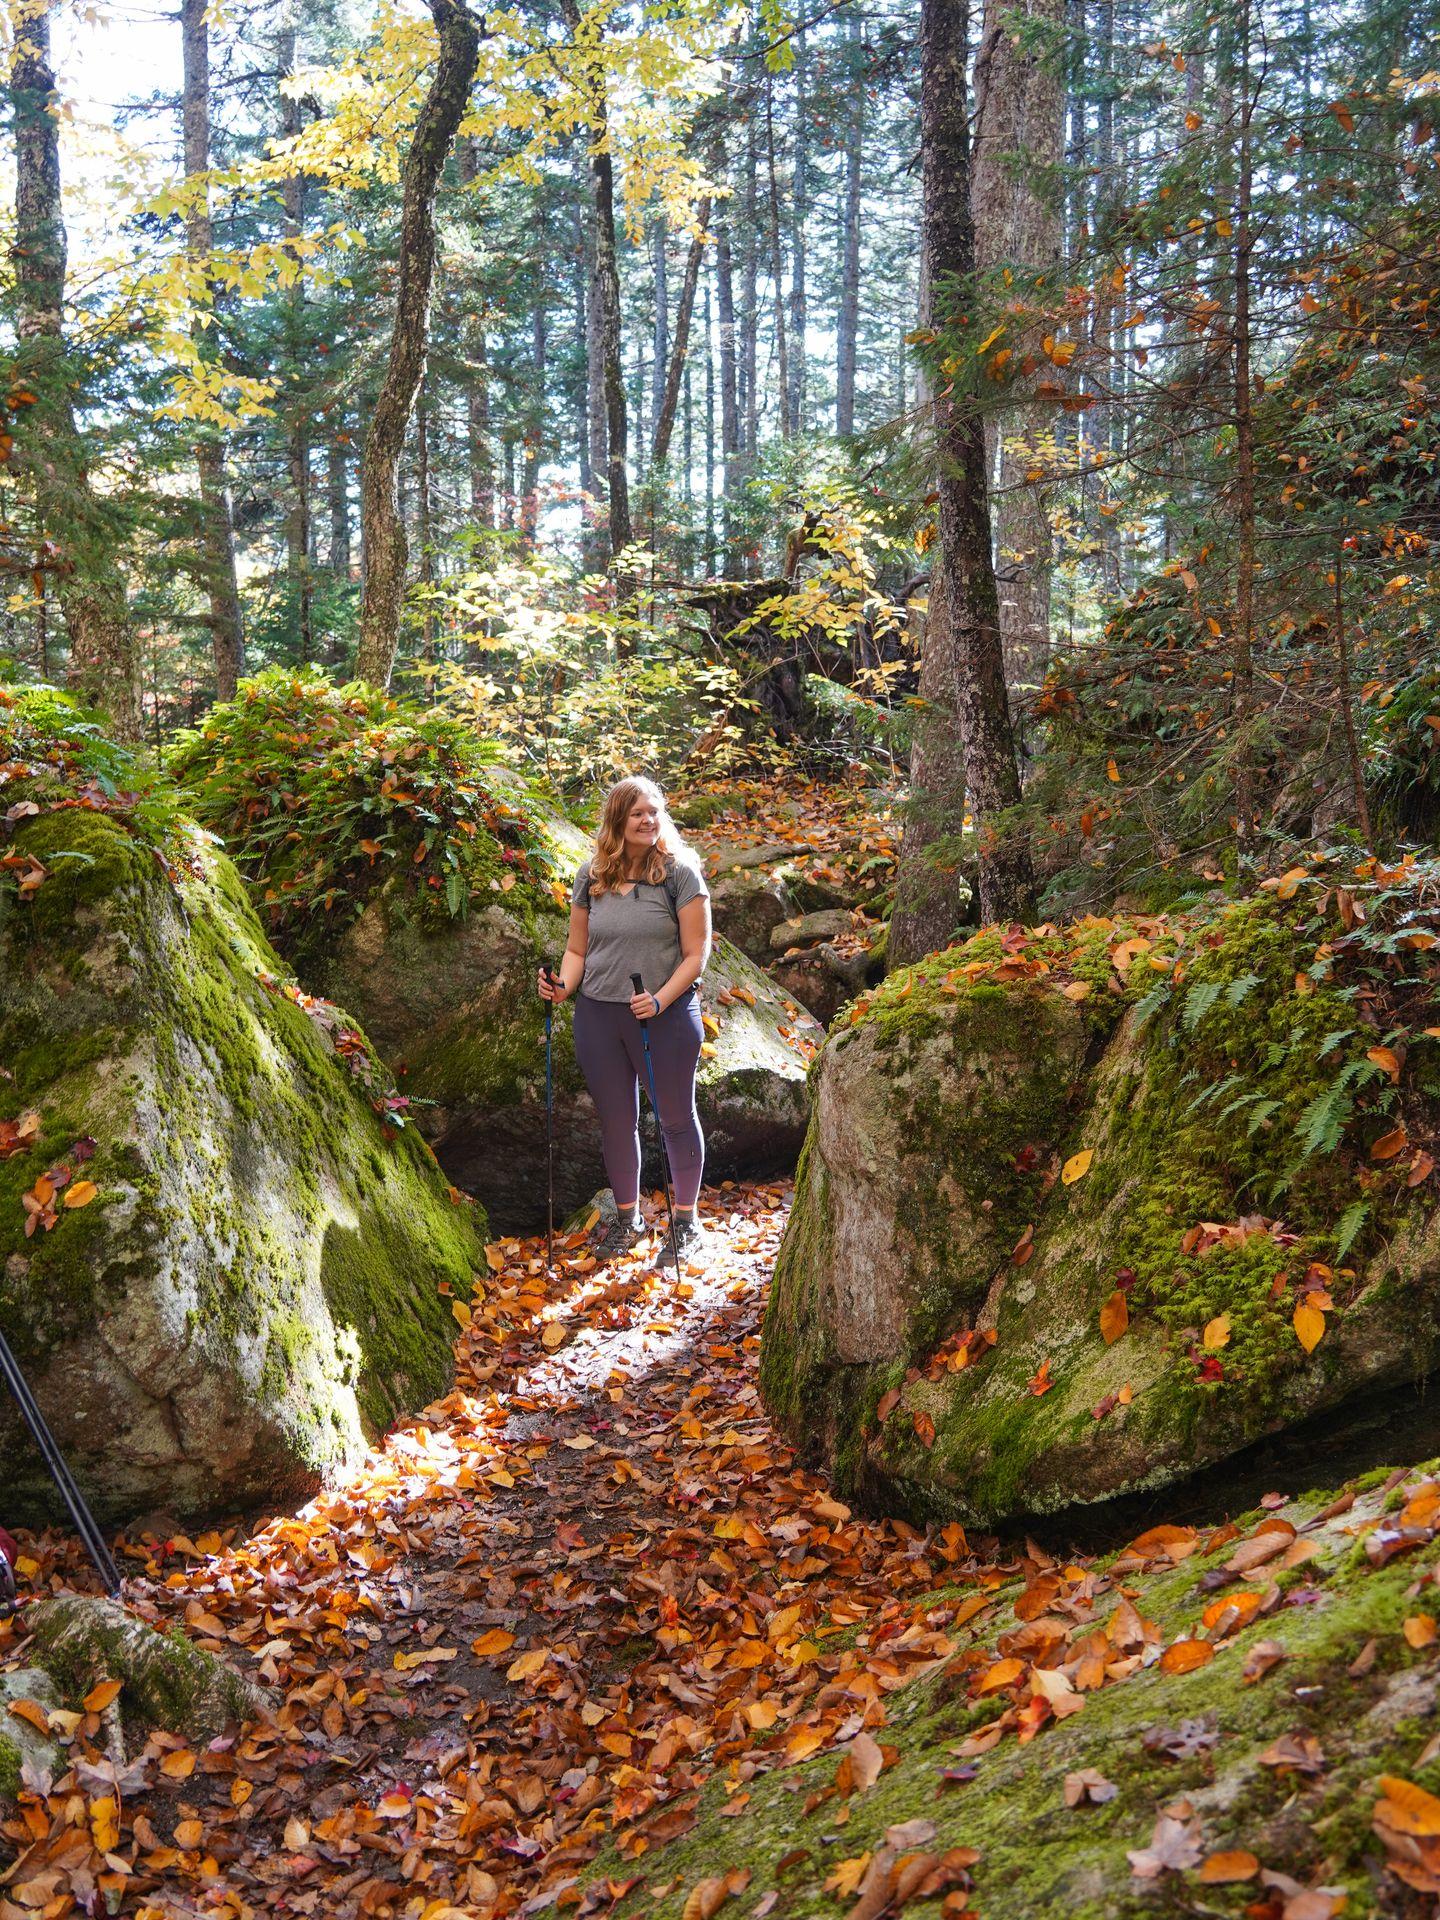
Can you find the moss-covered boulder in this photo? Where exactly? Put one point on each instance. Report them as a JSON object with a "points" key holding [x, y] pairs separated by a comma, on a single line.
{"points": [[1080, 1212], [165, 1680], [224, 1256], [411, 876]]}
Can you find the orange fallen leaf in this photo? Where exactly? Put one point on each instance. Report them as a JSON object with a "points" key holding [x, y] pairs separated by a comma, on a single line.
{"points": [[1407, 1808], [1184, 1656], [1419, 1630], [99, 1697], [1114, 1318], [80, 1193], [1004, 1673], [1226, 1869]]}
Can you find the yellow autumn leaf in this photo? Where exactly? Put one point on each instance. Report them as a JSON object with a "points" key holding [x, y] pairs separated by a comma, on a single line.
{"points": [[81, 1193], [461, 1312], [496, 1640], [105, 1822], [1216, 1334], [554, 1335], [1309, 1326], [528, 1665], [1077, 1166], [1288, 884], [99, 1697]]}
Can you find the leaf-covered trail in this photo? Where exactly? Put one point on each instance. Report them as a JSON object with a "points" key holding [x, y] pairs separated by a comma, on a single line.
{"points": [[540, 1613], [539, 1618]]}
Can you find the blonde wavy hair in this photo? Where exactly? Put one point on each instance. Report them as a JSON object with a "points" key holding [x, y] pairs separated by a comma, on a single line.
{"points": [[607, 863]]}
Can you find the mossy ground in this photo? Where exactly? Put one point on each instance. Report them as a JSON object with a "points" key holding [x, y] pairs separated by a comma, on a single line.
{"points": [[1039, 1857]]}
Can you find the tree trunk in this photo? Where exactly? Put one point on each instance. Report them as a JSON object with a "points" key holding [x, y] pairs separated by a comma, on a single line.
{"points": [[297, 451], [777, 264], [217, 526], [660, 349], [50, 452], [749, 296], [847, 323], [534, 433], [480, 453], [338, 487], [608, 337], [380, 466], [580, 265], [729, 383], [1019, 142], [424, 522], [595, 545], [963, 662], [709, 561], [798, 317], [1243, 689], [670, 394]]}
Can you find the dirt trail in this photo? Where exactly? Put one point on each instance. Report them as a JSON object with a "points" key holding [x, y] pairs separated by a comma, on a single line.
{"points": [[536, 1618]]}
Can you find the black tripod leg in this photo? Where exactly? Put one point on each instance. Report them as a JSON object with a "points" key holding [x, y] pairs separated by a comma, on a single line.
{"points": [[85, 1525]]}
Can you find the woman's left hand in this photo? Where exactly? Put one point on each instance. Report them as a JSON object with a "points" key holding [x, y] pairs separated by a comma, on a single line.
{"points": [[644, 1006]]}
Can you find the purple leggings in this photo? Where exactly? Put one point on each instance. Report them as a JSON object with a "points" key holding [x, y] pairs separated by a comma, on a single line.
{"points": [[609, 1048]]}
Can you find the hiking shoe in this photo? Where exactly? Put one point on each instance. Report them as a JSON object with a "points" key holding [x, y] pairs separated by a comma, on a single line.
{"points": [[692, 1242], [618, 1238]]}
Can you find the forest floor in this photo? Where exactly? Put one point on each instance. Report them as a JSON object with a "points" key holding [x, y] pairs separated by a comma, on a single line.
{"points": [[584, 1636]]}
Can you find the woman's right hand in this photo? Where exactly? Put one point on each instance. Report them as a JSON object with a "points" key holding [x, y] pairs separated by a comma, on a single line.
{"points": [[551, 986]]}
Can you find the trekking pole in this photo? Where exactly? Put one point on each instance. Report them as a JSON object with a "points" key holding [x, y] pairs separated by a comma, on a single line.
{"points": [[94, 1541], [639, 987], [549, 1124]]}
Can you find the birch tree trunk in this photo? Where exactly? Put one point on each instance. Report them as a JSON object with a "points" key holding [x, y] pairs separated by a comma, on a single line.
{"points": [[217, 526], [50, 452], [384, 529], [1015, 194]]}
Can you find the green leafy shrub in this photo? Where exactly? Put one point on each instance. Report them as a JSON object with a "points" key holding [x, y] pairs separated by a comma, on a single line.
{"points": [[323, 793]]}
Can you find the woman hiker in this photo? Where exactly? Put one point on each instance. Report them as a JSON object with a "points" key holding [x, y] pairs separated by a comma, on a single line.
{"points": [[639, 905]]}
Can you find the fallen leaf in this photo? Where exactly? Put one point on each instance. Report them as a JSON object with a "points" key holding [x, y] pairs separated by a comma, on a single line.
{"points": [[1089, 1785], [1309, 1324], [1077, 1166], [1217, 1333], [1226, 1869], [1184, 1656], [1114, 1318]]}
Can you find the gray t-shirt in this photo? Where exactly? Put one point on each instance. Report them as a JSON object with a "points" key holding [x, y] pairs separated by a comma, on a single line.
{"points": [[634, 932]]}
